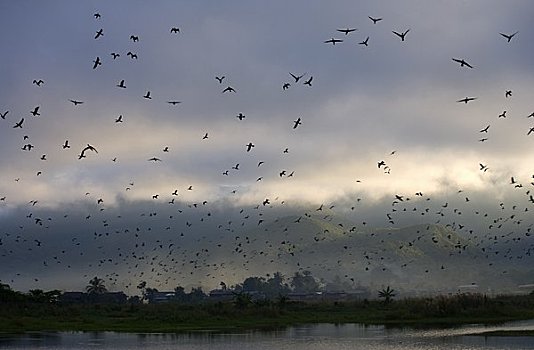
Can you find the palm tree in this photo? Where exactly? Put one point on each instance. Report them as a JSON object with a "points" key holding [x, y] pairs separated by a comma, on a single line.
{"points": [[96, 286], [387, 294]]}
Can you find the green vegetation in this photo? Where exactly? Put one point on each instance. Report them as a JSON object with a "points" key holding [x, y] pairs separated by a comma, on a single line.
{"points": [[22, 312]]}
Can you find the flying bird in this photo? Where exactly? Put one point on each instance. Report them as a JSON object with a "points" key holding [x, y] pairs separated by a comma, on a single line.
{"points": [[240, 116], [154, 159], [297, 123], [35, 112], [375, 20], [530, 131], [508, 93], [229, 89], [347, 30], [147, 95], [485, 129], [19, 124], [286, 86], [365, 42], [97, 15], [75, 102], [483, 167], [3, 115], [134, 38], [119, 119], [467, 99], [99, 33], [401, 35], [115, 55], [174, 103], [205, 137], [250, 146], [462, 62], [175, 30], [66, 144], [309, 81], [38, 82], [220, 79], [121, 84], [508, 36], [333, 41], [297, 77], [97, 62], [131, 54]]}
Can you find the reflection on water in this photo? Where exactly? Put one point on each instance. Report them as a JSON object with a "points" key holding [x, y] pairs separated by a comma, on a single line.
{"points": [[312, 337]]}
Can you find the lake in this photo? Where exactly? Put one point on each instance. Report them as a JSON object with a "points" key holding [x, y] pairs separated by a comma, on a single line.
{"points": [[309, 337]]}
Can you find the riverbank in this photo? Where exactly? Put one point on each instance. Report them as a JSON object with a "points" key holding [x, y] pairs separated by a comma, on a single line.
{"points": [[173, 317]]}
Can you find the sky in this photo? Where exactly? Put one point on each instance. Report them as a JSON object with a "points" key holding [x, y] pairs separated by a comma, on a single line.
{"points": [[389, 101]]}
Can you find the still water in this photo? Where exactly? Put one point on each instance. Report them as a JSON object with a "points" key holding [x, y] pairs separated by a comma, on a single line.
{"points": [[309, 337]]}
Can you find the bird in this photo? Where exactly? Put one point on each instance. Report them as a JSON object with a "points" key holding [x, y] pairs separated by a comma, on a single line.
{"points": [[530, 131], [205, 137], [483, 167], [229, 89], [240, 116], [333, 41], [166, 149], [154, 159], [174, 103], [134, 38], [97, 62], [147, 95], [99, 33], [485, 129], [462, 62], [309, 81], [508, 93], [508, 36], [286, 86], [347, 30], [119, 119], [66, 144], [502, 115], [3, 115], [297, 123], [175, 30], [115, 55], [250, 146], [401, 35], [297, 77], [381, 163], [75, 102], [38, 82], [97, 15], [528, 116], [375, 20], [131, 54], [35, 112], [19, 124], [365, 42], [220, 79], [467, 99], [121, 84]]}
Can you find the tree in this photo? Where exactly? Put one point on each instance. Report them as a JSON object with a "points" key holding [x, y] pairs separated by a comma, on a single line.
{"points": [[387, 294], [96, 286], [304, 283]]}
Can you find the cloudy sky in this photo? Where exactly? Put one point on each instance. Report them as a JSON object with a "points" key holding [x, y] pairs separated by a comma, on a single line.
{"points": [[389, 101]]}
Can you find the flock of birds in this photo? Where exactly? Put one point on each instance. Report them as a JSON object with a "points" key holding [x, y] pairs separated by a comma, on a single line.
{"points": [[178, 239]]}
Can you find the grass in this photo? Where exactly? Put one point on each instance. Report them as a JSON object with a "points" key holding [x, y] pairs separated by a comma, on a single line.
{"points": [[174, 317]]}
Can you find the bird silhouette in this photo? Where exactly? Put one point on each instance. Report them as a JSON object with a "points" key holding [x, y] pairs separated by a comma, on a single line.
{"points": [[250, 146], [66, 144], [286, 86], [346, 31], [3, 115], [508, 36], [97, 15], [240, 116], [297, 123], [35, 112], [220, 79], [97, 62], [365, 42], [467, 99], [134, 38], [154, 159], [115, 55], [121, 84], [530, 131], [118, 119], [174, 103], [175, 30], [99, 33], [309, 81], [19, 124], [508, 93], [297, 77], [401, 35], [375, 20], [38, 82], [75, 102], [147, 95], [229, 89], [485, 129], [333, 41], [462, 62], [132, 55]]}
